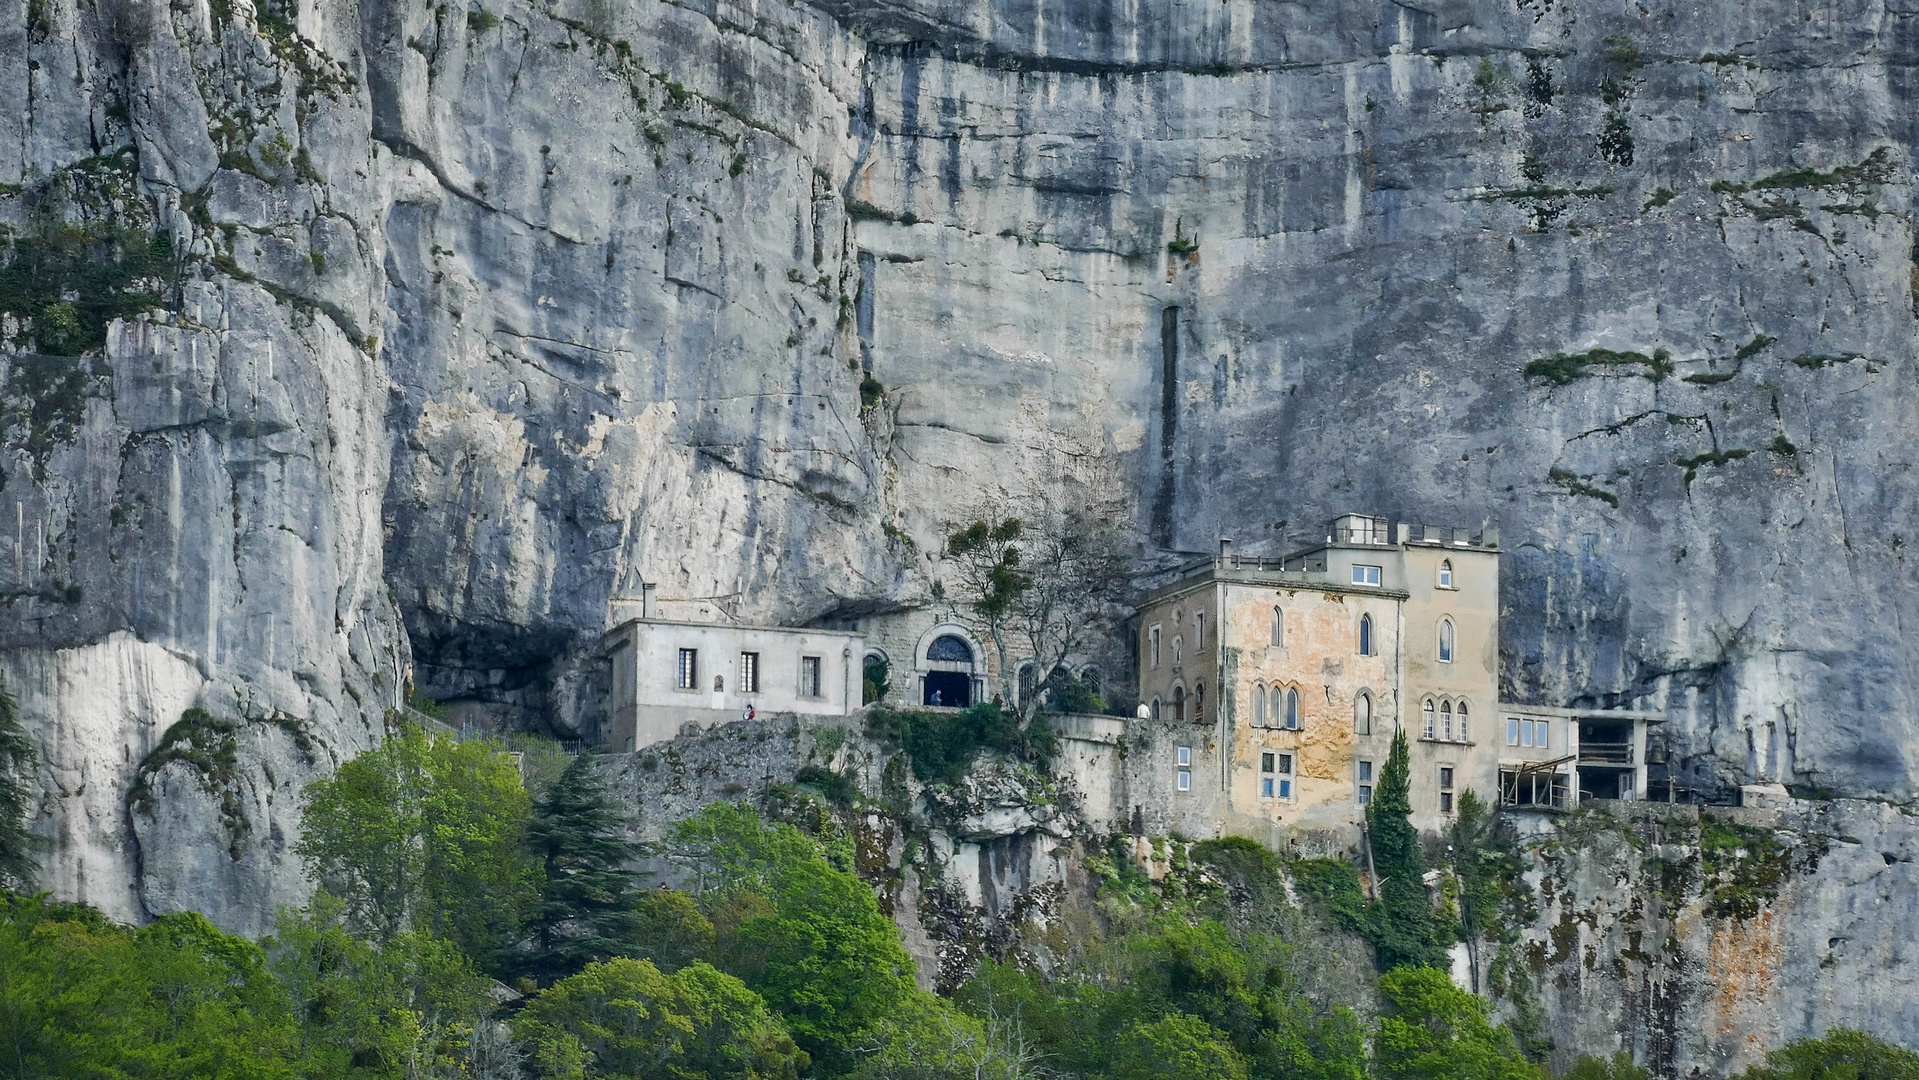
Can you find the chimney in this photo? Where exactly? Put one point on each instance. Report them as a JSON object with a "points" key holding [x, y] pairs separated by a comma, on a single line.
{"points": [[1489, 535], [1226, 552], [646, 599]]}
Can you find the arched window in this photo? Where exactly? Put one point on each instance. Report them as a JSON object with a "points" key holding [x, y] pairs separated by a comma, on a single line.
{"points": [[1365, 635], [1461, 710], [1259, 705], [1089, 678], [1446, 720], [1179, 703], [1155, 708], [1363, 714], [1445, 573], [1279, 627], [1446, 641], [1199, 702], [1028, 683], [1179, 649], [1292, 709], [950, 647], [1426, 719]]}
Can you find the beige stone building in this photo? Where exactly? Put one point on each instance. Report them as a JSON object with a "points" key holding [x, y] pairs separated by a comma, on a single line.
{"points": [[1273, 688], [1280, 682]]}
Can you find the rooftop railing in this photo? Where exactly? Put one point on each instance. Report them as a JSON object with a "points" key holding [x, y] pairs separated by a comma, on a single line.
{"points": [[1606, 753]]}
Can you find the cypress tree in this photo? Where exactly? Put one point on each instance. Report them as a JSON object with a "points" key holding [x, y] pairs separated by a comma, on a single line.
{"points": [[585, 913], [17, 846], [1404, 930]]}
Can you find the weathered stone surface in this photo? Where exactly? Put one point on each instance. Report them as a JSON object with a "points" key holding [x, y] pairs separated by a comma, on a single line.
{"points": [[1700, 958], [481, 325]]}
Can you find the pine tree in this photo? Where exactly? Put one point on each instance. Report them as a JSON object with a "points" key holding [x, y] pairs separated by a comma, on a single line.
{"points": [[1404, 930], [17, 846], [585, 913]]}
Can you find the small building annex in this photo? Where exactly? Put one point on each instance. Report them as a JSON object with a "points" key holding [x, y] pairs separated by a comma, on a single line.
{"points": [[667, 673]]}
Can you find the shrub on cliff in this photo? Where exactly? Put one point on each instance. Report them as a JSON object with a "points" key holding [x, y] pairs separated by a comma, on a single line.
{"points": [[1842, 1055]]}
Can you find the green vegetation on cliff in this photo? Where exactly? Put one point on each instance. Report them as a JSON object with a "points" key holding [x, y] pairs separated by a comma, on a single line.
{"points": [[774, 960]]}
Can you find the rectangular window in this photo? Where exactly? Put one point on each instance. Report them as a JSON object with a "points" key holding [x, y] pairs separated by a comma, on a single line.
{"points": [[1286, 763], [1285, 789], [810, 676], [1152, 636], [1265, 763], [1542, 733], [749, 673], [1365, 772], [1365, 575], [689, 669], [1365, 794], [1199, 631], [1445, 802], [1266, 787], [1512, 730], [1525, 733], [1185, 780], [1185, 756], [1445, 776]]}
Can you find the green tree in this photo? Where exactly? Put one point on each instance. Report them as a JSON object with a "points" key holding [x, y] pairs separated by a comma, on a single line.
{"points": [[1177, 1045], [626, 1019], [1402, 924], [875, 680], [1618, 1067], [1435, 1031], [1043, 585], [986, 556], [18, 847], [424, 834], [1843, 1054], [584, 913], [929, 1039], [83, 997], [672, 932], [410, 1007], [803, 932]]}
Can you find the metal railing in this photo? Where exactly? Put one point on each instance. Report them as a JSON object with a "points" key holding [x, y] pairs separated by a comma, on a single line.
{"points": [[1606, 753]]}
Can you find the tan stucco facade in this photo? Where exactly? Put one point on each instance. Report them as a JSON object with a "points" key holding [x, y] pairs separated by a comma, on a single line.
{"points": [[1279, 631]]}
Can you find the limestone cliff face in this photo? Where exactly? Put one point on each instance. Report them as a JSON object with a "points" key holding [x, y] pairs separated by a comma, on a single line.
{"points": [[472, 318]]}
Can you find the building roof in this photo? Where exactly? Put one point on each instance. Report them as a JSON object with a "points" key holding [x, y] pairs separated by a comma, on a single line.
{"points": [[1269, 573], [639, 620]]}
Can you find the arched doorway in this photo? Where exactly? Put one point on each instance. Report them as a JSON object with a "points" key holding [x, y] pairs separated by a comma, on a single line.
{"points": [[948, 678]]}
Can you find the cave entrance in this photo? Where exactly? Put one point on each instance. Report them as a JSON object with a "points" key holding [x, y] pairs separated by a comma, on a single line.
{"points": [[953, 689]]}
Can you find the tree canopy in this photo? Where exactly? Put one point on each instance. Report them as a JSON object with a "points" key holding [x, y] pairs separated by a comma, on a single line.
{"points": [[424, 834]]}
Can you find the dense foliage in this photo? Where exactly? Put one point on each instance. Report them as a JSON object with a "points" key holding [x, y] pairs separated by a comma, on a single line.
{"points": [[775, 962], [942, 746], [425, 834]]}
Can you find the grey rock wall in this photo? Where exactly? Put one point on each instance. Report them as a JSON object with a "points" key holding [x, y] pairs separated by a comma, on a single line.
{"points": [[487, 314], [1699, 945]]}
